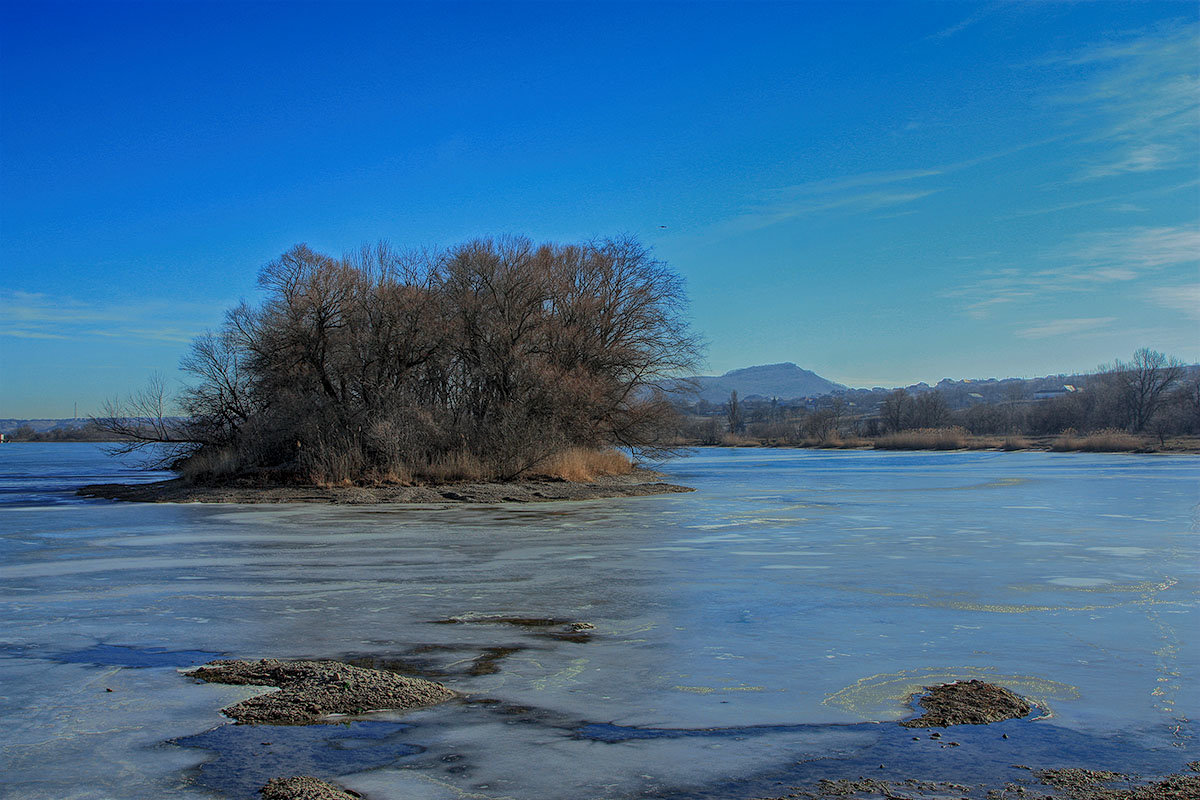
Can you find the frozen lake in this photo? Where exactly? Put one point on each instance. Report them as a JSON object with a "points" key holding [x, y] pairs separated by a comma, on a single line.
{"points": [[747, 635]]}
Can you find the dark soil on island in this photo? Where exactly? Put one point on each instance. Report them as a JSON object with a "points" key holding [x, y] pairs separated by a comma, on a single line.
{"points": [[310, 691], [638, 483], [304, 787], [972, 702]]}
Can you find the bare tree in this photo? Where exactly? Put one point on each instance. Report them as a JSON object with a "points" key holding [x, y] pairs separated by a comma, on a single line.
{"points": [[1138, 388], [144, 419], [930, 410], [734, 413], [896, 410]]}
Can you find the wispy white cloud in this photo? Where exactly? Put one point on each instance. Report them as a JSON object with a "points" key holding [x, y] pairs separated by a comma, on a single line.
{"points": [[1139, 97], [1185, 299], [854, 194], [1086, 262], [958, 27], [36, 308], [1132, 251], [981, 309], [18, 332], [1121, 201], [1064, 327], [33, 315]]}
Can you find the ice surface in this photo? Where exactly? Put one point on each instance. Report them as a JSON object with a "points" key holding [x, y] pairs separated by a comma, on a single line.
{"points": [[794, 597]]}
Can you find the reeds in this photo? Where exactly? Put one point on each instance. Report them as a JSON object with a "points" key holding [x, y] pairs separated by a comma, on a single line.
{"points": [[579, 464], [208, 465], [1109, 440], [955, 438], [738, 440]]}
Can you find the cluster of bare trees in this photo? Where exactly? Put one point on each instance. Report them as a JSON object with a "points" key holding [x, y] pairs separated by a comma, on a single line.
{"points": [[1151, 393], [901, 411], [497, 353]]}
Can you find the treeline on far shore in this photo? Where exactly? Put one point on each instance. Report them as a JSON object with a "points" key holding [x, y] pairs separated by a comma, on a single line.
{"points": [[1148, 404], [83, 432]]}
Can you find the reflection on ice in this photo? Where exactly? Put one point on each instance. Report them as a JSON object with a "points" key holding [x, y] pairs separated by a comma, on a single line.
{"points": [[1082, 583], [244, 757], [798, 595]]}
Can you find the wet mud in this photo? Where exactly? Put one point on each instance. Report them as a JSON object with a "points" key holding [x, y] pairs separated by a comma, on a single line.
{"points": [[1065, 784], [978, 759], [311, 691], [639, 483], [861, 760], [243, 758], [304, 787], [972, 702], [102, 654], [548, 627]]}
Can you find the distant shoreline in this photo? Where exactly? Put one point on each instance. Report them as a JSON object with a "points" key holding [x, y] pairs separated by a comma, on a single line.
{"points": [[639, 483], [919, 441]]}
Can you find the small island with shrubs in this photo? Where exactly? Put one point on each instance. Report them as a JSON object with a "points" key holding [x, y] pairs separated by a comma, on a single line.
{"points": [[496, 370]]}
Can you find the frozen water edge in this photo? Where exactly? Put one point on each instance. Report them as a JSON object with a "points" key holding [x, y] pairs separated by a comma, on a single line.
{"points": [[1070, 578]]}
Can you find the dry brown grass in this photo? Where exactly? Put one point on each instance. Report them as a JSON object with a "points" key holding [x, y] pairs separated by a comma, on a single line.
{"points": [[1110, 440], [458, 465], [581, 465], [1015, 443], [209, 465], [924, 439], [737, 440], [394, 475]]}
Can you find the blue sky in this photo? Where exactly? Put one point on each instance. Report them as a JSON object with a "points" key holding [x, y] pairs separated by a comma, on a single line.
{"points": [[883, 193]]}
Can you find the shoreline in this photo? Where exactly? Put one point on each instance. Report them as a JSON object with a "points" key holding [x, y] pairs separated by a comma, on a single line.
{"points": [[639, 483], [1031, 444]]}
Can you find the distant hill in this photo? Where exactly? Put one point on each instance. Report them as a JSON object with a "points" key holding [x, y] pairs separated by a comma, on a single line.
{"points": [[7, 426], [784, 381]]}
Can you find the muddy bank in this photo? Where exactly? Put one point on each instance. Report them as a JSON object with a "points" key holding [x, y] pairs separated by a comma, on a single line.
{"points": [[639, 483], [1062, 784], [304, 787], [547, 627], [972, 702], [312, 690]]}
